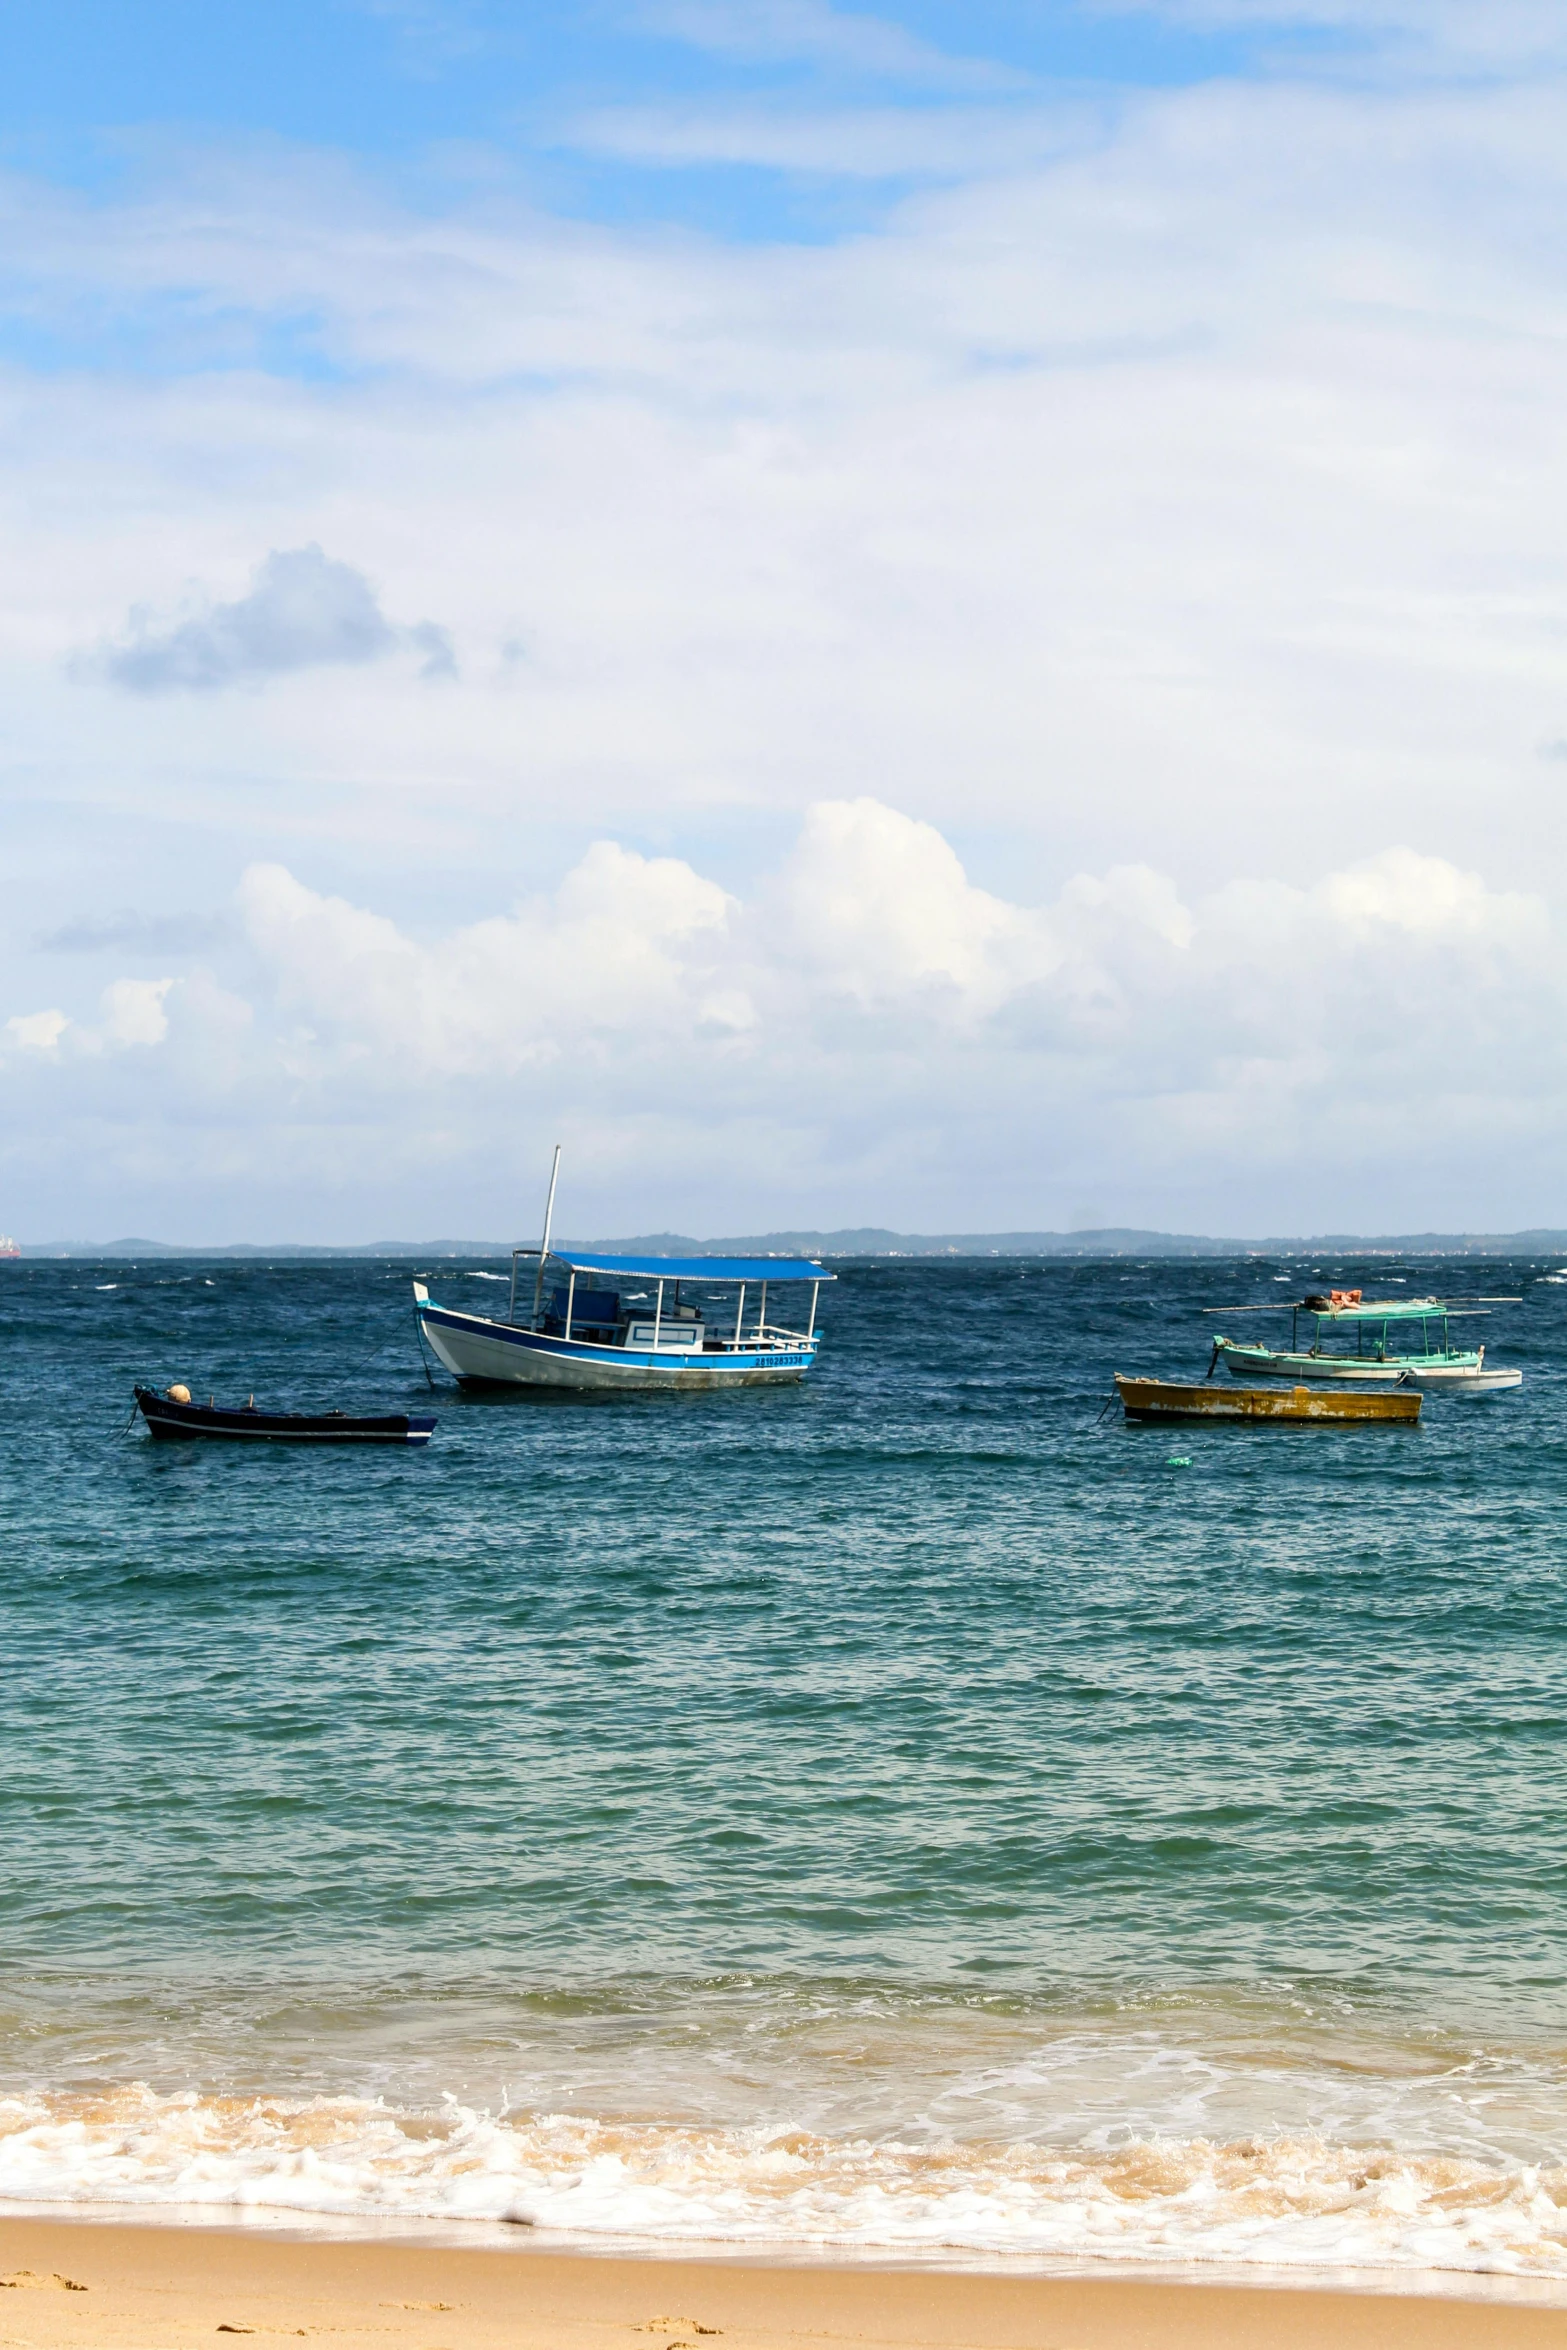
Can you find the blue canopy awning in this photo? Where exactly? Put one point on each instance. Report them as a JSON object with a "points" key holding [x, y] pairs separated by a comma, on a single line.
{"points": [[693, 1268]]}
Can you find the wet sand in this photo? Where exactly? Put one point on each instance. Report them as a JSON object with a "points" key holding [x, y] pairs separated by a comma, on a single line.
{"points": [[139, 2288]]}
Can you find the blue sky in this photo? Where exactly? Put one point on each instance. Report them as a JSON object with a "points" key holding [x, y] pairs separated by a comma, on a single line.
{"points": [[89, 85], [384, 78], [926, 616]]}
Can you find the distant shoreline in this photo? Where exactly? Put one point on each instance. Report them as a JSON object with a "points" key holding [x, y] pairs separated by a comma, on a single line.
{"points": [[1113, 1241]]}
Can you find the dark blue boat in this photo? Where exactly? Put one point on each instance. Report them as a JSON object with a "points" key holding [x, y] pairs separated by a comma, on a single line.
{"points": [[175, 1415]]}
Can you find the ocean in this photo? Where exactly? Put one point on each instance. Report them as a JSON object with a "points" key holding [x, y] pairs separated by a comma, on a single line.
{"points": [[911, 1815]]}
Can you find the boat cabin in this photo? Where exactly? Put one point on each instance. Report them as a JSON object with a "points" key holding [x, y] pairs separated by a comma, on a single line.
{"points": [[1381, 1328], [1344, 1335], [664, 1305]]}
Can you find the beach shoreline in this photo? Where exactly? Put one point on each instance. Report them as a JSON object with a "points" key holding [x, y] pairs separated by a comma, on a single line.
{"points": [[119, 2284]]}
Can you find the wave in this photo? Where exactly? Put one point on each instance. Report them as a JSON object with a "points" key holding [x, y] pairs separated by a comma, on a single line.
{"points": [[1287, 2202]]}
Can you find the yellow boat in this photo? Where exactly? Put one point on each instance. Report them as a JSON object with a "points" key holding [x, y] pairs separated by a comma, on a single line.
{"points": [[1168, 1399]]}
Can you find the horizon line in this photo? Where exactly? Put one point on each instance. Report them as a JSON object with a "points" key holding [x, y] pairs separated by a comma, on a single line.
{"points": [[854, 1241]]}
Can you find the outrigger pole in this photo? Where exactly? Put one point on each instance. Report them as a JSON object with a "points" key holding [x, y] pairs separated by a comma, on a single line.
{"points": [[1366, 1313]]}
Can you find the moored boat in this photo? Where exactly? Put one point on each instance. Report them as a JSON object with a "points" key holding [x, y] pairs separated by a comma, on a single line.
{"points": [[173, 1414], [1391, 1336], [622, 1325], [1169, 1399], [1463, 1382]]}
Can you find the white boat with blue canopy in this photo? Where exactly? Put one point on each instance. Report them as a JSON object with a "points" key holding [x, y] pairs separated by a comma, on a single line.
{"points": [[630, 1322], [624, 1324], [1348, 1336]]}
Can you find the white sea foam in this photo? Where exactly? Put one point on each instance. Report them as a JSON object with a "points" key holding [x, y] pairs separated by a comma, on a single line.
{"points": [[1291, 2202]]}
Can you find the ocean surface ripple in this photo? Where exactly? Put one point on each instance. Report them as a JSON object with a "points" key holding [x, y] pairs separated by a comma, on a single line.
{"points": [[906, 1814]]}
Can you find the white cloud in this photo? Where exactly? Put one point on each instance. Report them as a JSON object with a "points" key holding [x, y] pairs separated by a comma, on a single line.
{"points": [[848, 143], [866, 1022], [38, 1032], [810, 29], [1499, 33], [304, 611], [1427, 897], [1181, 500], [133, 1011], [879, 910], [624, 951], [1165, 516]]}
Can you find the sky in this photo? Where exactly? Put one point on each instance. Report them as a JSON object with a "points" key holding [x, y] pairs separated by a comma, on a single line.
{"points": [[940, 616]]}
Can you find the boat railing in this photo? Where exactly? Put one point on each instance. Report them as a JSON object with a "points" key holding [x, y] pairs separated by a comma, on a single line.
{"points": [[699, 1335], [767, 1334]]}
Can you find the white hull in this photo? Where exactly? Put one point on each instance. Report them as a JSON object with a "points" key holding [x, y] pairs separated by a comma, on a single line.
{"points": [[1260, 1362], [1464, 1382], [473, 1347]]}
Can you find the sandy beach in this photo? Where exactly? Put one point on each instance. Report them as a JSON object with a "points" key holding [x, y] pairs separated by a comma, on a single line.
{"points": [[136, 2288]]}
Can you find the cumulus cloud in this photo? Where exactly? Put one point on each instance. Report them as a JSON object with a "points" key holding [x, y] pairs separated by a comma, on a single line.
{"points": [[134, 1013], [304, 611], [864, 1009], [1167, 510], [872, 910], [624, 955], [131, 1013], [37, 1032], [879, 911]]}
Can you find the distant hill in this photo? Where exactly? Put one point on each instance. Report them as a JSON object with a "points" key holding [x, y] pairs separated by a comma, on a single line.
{"points": [[1111, 1241], [874, 1241]]}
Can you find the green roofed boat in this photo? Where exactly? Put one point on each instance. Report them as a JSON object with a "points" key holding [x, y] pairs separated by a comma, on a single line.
{"points": [[1344, 1335]]}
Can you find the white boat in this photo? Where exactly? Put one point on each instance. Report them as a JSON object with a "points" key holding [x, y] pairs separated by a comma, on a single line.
{"points": [[1461, 1382], [1354, 1337], [632, 1324]]}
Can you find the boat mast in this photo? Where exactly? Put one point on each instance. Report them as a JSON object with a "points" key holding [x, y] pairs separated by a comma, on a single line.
{"points": [[544, 1244]]}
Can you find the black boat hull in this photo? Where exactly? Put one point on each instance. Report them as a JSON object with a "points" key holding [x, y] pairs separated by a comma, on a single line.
{"points": [[165, 1418]]}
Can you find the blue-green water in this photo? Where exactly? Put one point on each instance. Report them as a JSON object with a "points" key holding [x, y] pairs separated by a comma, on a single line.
{"points": [[907, 1810]]}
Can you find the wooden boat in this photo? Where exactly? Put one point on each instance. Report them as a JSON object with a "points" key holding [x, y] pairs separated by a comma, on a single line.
{"points": [[625, 1325], [1390, 1336], [1168, 1399], [173, 1414]]}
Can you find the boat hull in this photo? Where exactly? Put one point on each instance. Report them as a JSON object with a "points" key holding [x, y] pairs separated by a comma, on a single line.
{"points": [[1263, 1362], [1168, 1399], [498, 1354], [1496, 1382], [166, 1419]]}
